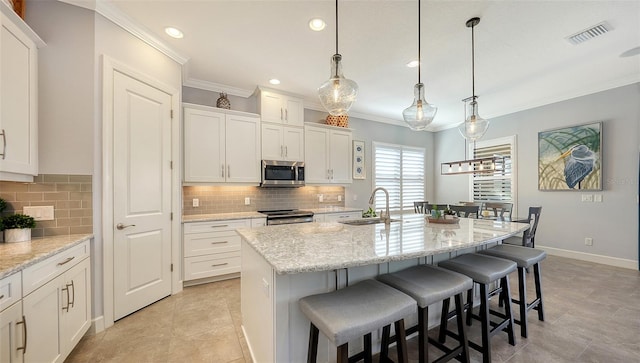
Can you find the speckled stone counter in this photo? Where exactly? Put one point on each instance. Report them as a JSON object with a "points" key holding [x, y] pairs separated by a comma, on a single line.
{"points": [[17, 256], [221, 216], [309, 247]]}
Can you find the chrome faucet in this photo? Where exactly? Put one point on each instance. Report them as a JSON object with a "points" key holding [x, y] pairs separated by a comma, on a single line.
{"points": [[387, 217]]}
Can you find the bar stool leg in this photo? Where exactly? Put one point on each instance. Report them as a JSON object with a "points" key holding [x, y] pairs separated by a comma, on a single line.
{"points": [[470, 302], [401, 342], [462, 329], [343, 353], [384, 345], [312, 352], [368, 355], [444, 318], [506, 290], [522, 295], [484, 319], [538, 282], [423, 351]]}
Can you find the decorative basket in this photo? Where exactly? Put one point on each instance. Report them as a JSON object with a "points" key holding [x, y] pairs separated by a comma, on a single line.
{"points": [[340, 121]]}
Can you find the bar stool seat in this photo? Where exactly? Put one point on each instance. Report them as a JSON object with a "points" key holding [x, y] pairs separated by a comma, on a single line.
{"points": [[353, 312], [524, 257], [483, 270], [428, 285]]}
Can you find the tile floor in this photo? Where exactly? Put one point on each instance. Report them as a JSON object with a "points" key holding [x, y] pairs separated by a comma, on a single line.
{"points": [[592, 314]]}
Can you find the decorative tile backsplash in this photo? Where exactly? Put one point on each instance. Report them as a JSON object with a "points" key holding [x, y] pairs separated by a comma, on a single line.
{"points": [[223, 199], [70, 195]]}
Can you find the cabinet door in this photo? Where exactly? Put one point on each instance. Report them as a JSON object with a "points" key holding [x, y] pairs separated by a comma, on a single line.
{"points": [[243, 149], [271, 107], [340, 157], [316, 147], [42, 309], [272, 145], [76, 305], [293, 111], [293, 140], [204, 148], [18, 108], [11, 334]]}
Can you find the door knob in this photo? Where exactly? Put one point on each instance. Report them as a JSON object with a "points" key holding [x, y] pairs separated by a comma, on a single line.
{"points": [[121, 226]]}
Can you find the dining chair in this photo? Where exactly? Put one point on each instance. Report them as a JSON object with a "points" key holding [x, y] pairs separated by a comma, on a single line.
{"points": [[418, 207], [528, 237], [500, 210], [466, 211]]}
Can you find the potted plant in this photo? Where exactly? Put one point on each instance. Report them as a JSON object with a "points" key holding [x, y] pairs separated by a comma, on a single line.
{"points": [[17, 227]]}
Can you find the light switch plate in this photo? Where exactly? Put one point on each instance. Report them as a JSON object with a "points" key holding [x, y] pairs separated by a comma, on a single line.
{"points": [[247, 201], [196, 202], [587, 197], [597, 198]]}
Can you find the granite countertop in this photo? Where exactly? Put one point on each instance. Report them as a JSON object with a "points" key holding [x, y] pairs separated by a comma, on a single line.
{"points": [[17, 256], [221, 216], [307, 247]]}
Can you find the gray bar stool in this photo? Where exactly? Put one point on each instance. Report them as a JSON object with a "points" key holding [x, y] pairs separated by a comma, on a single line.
{"points": [[355, 311], [484, 270], [428, 285], [525, 257]]}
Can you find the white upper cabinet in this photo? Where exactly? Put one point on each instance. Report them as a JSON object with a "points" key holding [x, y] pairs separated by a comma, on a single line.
{"points": [[327, 155], [282, 142], [220, 146], [18, 98], [280, 108]]}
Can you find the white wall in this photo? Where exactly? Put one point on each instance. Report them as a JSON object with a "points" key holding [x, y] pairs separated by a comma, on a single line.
{"points": [[565, 220]]}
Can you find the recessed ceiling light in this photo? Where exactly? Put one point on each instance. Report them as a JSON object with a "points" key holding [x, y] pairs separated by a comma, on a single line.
{"points": [[413, 64], [173, 32], [317, 24], [274, 81]]}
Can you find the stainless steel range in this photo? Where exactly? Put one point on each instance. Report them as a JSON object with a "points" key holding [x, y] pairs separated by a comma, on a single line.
{"points": [[287, 216]]}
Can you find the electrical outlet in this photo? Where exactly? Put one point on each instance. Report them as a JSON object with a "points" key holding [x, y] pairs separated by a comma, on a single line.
{"points": [[320, 198], [587, 197], [588, 241], [39, 213], [247, 201], [597, 198], [196, 202], [339, 198]]}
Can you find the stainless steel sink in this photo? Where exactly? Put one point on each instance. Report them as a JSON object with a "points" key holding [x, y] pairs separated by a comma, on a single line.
{"points": [[366, 221]]}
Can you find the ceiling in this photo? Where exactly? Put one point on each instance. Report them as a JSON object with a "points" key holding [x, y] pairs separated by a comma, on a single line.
{"points": [[522, 57]]}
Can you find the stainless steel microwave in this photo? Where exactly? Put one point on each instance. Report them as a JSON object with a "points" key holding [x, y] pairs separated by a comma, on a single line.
{"points": [[283, 174]]}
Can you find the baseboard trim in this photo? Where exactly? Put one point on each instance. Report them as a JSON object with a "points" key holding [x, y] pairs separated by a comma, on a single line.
{"points": [[605, 260], [97, 326]]}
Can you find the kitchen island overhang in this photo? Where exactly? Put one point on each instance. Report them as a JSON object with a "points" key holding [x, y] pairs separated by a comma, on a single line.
{"points": [[281, 264]]}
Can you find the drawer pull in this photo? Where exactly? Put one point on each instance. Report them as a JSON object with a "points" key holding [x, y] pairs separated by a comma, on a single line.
{"points": [[24, 330], [2, 296], [219, 243], [220, 226], [73, 294], [220, 264], [66, 261], [66, 288]]}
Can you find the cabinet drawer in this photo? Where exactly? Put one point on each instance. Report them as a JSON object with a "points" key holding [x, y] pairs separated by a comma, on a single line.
{"points": [[198, 244], [10, 290], [199, 227], [211, 265], [342, 216], [42, 272]]}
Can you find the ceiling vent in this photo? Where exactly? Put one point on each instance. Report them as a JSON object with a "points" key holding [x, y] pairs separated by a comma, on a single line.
{"points": [[589, 33]]}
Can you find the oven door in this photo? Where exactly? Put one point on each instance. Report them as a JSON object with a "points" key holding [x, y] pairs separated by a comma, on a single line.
{"points": [[282, 173]]}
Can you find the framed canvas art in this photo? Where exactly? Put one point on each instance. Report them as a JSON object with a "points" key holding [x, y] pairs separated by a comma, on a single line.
{"points": [[570, 158], [358, 160]]}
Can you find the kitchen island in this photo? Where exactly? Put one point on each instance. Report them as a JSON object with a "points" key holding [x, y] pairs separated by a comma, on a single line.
{"points": [[281, 264]]}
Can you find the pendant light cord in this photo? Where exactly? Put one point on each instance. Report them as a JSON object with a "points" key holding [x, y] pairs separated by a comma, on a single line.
{"points": [[473, 65], [337, 27], [419, 58]]}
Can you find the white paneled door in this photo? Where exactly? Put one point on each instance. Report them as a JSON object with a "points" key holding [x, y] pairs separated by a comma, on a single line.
{"points": [[141, 194]]}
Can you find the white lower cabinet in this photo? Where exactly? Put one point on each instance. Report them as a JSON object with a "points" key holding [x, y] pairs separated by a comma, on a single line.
{"points": [[58, 312], [12, 329], [212, 249]]}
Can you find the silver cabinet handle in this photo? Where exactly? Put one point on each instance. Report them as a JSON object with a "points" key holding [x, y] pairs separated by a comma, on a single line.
{"points": [[328, 173], [66, 261], [286, 151], [220, 226], [286, 115], [220, 264], [219, 243], [66, 288], [73, 294], [24, 331], [121, 226], [281, 118], [222, 170], [228, 170], [281, 150], [1, 296], [4, 144]]}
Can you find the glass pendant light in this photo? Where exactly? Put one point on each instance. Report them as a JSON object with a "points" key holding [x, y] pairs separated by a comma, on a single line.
{"points": [[474, 126], [337, 94], [420, 114]]}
